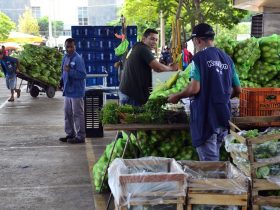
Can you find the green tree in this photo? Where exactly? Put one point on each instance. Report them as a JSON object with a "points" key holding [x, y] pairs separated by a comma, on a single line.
{"points": [[193, 12], [145, 16], [57, 26], [28, 24], [6, 25], [43, 23]]}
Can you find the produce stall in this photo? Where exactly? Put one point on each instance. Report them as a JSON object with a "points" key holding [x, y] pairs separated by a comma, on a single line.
{"points": [[149, 131]]}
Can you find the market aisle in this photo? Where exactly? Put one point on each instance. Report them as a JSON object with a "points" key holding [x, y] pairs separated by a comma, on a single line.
{"points": [[37, 171]]}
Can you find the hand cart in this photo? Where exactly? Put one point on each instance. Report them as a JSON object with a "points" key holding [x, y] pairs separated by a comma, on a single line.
{"points": [[35, 86]]}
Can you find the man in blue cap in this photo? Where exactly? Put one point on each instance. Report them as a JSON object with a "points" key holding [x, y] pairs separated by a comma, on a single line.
{"points": [[213, 82]]}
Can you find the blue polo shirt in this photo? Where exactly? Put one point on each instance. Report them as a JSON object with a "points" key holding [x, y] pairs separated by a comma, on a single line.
{"points": [[9, 65]]}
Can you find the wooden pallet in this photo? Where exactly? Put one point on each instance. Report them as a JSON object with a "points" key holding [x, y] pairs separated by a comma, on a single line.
{"points": [[209, 190], [137, 189]]}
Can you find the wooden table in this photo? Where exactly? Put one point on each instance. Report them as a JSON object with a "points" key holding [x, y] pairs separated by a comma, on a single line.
{"points": [[144, 127]]}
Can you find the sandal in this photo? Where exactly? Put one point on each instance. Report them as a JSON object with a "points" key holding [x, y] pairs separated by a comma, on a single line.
{"points": [[18, 92], [11, 100]]}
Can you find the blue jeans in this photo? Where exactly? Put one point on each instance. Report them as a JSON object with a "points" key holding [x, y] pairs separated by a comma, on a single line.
{"points": [[210, 150], [11, 82], [125, 99]]}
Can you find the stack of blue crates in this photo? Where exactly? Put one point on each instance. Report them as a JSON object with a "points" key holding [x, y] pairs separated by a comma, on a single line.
{"points": [[96, 45]]}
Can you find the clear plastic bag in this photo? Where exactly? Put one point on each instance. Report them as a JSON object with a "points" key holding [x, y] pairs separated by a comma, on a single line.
{"points": [[269, 208], [215, 177], [148, 180], [208, 207]]}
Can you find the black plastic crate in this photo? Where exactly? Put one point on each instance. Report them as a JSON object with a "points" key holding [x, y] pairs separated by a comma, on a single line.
{"points": [[93, 105]]}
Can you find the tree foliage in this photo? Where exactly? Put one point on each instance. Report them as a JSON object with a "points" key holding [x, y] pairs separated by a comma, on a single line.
{"points": [[6, 25], [146, 15], [193, 12], [28, 24], [43, 22]]}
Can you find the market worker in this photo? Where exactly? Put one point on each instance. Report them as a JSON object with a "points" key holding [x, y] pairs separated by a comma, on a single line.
{"points": [[10, 68], [213, 82], [136, 79], [73, 75]]}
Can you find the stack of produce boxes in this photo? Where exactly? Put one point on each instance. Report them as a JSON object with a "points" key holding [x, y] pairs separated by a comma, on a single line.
{"points": [[96, 45], [257, 154]]}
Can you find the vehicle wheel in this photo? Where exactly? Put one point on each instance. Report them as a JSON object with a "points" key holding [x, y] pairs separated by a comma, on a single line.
{"points": [[50, 92], [34, 91]]}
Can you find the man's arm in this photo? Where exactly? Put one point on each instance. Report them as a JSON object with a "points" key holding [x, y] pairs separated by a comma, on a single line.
{"points": [[192, 89], [235, 91], [17, 66], [236, 87], [159, 67]]}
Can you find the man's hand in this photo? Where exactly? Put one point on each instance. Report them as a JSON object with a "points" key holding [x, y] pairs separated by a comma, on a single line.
{"points": [[66, 68], [174, 98], [174, 66], [17, 71]]}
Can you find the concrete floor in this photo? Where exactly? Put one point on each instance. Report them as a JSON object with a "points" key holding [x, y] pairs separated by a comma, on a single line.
{"points": [[36, 170]]}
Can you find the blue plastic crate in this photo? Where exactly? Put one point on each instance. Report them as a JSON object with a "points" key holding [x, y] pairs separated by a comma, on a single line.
{"points": [[94, 81], [100, 67], [80, 44], [88, 56], [103, 31], [132, 41], [90, 82], [104, 56], [112, 81], [81, 31], [111, 70], [131, 31], [117, 42], [103, 44], [112, 57], [88, 44], [108, 31], [112, 96], [118, 29], [90, 68], [99, 81]]}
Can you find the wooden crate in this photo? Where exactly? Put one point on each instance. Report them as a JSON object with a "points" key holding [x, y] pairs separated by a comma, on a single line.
{"points": [[206, 188], [259, 184], [164, 185], [262, 184]]}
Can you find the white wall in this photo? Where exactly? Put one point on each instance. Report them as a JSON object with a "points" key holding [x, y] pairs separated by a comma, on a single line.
{"points": [[64, 10]]}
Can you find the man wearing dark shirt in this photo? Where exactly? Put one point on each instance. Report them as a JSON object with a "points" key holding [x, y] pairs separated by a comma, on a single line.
{"points": [[136, 79]]}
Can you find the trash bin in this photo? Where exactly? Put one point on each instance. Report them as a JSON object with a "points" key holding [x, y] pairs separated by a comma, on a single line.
{"points": [[93, 104]]}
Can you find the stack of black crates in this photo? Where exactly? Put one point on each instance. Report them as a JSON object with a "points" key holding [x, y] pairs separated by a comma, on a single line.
{"points": [[96, 45]]}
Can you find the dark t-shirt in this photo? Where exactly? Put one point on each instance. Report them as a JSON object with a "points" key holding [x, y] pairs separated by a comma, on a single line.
{"points": [[137, 75]]}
